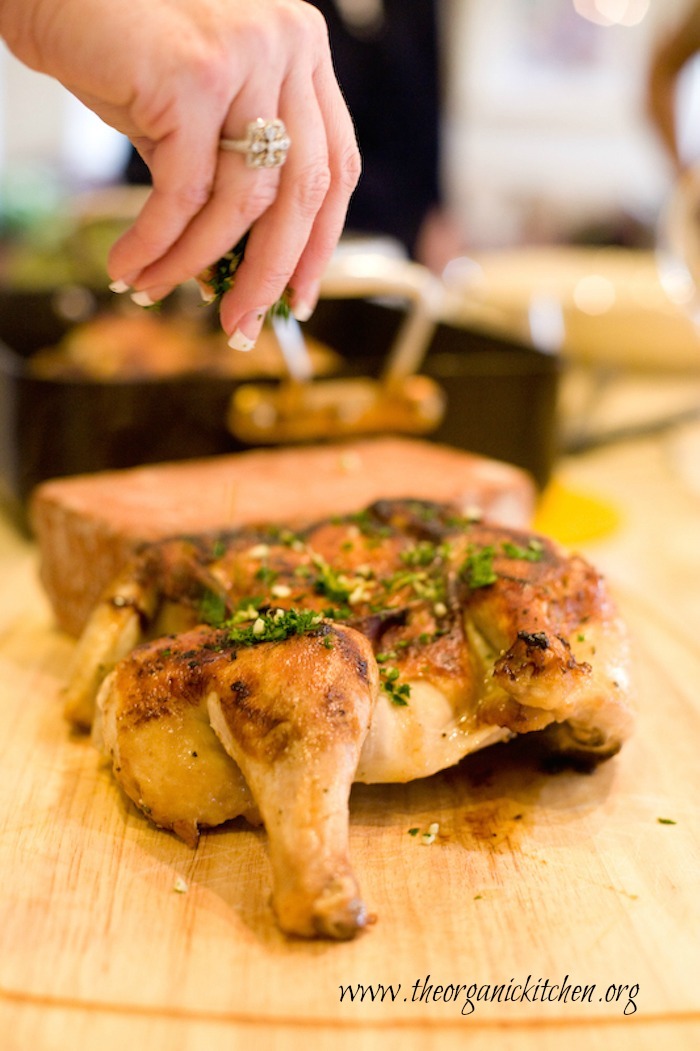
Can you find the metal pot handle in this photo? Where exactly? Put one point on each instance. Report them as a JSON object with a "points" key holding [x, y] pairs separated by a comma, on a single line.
{"points": [[364, 274]]}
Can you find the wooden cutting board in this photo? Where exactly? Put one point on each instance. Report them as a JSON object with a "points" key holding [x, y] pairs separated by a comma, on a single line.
{"points": [[111, 931]]}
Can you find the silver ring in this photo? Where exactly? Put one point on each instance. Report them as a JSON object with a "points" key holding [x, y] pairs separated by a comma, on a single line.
{"points": [[265, 146]]}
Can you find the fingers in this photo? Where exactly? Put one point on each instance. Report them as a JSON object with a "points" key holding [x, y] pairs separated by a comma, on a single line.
{"points": [[345, 168], [182, 168], [291, 243], [239, 195], [204, 200], [197, 228], [231, 209], [279, 236]]}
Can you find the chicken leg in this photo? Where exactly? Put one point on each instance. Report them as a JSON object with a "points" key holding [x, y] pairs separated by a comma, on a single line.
{"points": [[291, 715]]}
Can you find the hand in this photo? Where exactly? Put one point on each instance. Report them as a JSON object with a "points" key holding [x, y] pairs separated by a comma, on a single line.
{"points": [[178, 75]]}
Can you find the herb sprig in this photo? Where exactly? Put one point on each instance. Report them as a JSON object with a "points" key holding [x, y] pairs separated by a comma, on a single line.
{"points": [[220, 277]]}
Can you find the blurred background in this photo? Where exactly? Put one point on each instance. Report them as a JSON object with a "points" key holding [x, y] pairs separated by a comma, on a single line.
{"points": [[559, 326], [545, 124]]}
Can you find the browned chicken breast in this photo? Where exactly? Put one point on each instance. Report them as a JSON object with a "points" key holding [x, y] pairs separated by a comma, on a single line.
{"points": [[382, 646]]}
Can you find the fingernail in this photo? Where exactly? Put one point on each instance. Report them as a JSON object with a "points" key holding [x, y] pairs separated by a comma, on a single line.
{"points": [[302, 311], [239, 341], [248, 330], [304, 307], [205, 290], [142, 299], [119, 286]]}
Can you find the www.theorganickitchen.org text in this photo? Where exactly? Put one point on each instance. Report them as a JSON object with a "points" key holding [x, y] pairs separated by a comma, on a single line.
{"points": [[468, 995]]}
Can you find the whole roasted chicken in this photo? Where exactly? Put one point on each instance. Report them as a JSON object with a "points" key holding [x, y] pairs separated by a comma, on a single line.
{"points": [[381, 646]]}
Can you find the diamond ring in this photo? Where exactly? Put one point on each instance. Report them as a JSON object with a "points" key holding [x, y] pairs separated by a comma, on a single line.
{"points": [[265, 146]]}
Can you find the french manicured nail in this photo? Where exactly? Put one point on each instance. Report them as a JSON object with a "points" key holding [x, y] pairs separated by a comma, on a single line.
{"points": [[206, 293], [304, 307], [302, 311], [248, 330], [119, 286], [239, 341], [142, 299]]}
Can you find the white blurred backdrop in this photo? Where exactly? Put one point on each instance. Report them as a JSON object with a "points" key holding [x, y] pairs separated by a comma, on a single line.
{"points": [[545, 125]]}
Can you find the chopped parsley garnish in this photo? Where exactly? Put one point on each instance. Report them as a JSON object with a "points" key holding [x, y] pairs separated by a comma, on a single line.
{"points": [[532, 553], [247, 609], [266, 575], [281, 307], [275, 626], [426, 586], [666, 821], [398, 692], [339, 613], [330, 583], [477, 568], [286, 537], [421, 554], [212, 608], [366, 523], [220, 276], [403, 578], [339, 587]]}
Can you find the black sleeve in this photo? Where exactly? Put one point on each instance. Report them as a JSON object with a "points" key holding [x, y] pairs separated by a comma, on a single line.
{"points": [[389, 75]]}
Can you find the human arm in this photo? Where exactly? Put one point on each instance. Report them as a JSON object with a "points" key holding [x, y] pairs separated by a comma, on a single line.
{"points": [[176, 76]]}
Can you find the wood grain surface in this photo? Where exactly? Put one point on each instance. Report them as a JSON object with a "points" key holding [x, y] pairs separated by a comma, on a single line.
{"points": [[577, 880]]}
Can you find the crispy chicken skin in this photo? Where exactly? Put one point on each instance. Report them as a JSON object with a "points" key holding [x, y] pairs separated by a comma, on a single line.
{"points": [[426, 636], [291, 716]]}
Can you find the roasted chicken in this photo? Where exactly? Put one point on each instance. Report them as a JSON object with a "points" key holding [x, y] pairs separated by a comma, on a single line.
{"points": [[382, 646]]}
